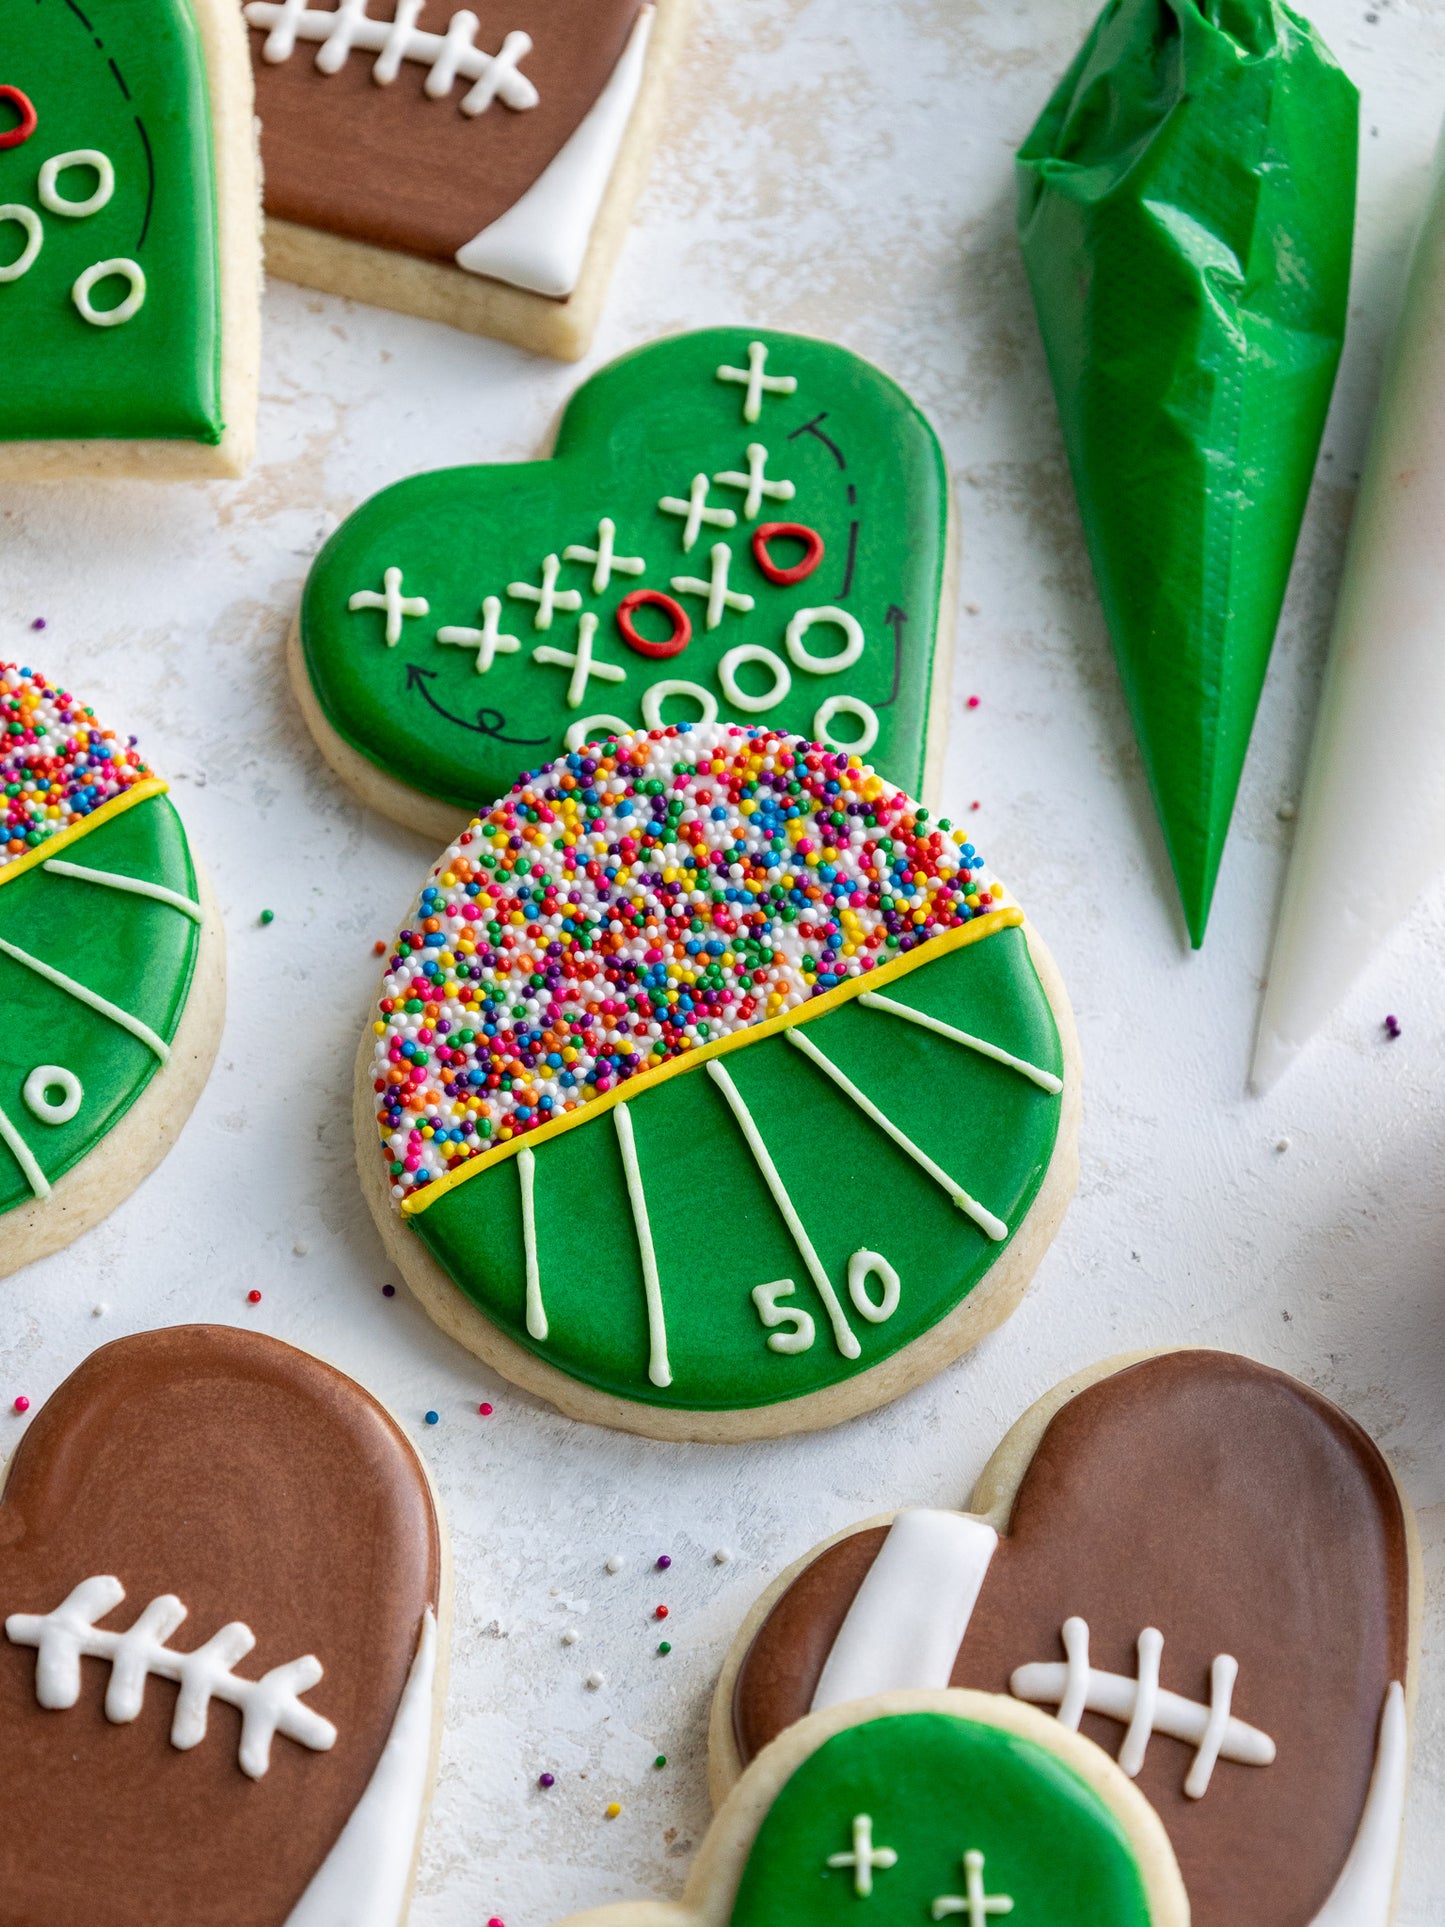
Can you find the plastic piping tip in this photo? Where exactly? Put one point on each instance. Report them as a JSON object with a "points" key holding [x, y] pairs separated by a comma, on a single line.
{"points": [[1273, 1056]]}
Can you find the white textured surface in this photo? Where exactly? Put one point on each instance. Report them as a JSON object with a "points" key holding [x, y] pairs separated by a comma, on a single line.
{"points": [[828, 167]]}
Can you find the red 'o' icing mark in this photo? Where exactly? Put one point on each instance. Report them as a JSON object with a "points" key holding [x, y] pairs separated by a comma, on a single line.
{"points": [[17, 135], [812, 542], [681, 624]]}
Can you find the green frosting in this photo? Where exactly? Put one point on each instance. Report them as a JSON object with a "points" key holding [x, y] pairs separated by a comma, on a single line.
{"points": [[935, 1788], [127, 80], [868, 478], [1186, 208], [716, 1229], [135, 952]]}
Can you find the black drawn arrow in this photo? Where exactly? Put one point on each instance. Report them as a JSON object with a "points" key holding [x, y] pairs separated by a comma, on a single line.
{"points": [[490, 722]]}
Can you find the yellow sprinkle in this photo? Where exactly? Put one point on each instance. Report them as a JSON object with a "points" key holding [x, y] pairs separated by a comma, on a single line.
{"points": [[611, 1811]]}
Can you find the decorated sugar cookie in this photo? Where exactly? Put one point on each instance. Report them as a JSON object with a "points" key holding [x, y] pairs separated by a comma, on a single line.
{"points": [[224, 1602], [715, 1089], [111, 969], [736, 526], [479, 170], [909, 1807], [1194, 1560], [130, 262]]}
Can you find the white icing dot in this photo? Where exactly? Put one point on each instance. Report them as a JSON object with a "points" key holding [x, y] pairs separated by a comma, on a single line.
{"points": [[614, 1563]]}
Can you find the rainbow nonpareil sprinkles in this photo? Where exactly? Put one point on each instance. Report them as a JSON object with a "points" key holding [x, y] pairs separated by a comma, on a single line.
{"points": [[57, 764], [631, 902]]}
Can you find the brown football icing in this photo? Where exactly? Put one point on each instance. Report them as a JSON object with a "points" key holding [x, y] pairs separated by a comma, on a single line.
{"points": [[1238, 1512], [393, 167], [256, 1484]]}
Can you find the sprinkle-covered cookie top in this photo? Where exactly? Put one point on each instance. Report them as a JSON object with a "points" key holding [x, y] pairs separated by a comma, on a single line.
{"points": [[57, 764], [633, 901]]}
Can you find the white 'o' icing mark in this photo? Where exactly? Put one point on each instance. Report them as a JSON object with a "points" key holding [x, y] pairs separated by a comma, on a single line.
{"points": [[875, 1000], [756, 381], [976, 1902], [548, 597], [92, 998], [981, 1215], [580, 661], [754, 482], [864, 1857], [802, 1331], [27, 219], [1147, 1708], [727, 675], [41, 1082], [1362, 1895], [488, 641], [862, 1266], [24, 1157], [124, 310], [268, 1706], [658, 1369], [715, 587], [345, 28], [656, 694], [604, 557], [909, 1616], [390, 598], [598, 725], [536, 1310], [49, 188], [842, 1331], [803, 620], [695, 512], [846, 706], [131, 886]]}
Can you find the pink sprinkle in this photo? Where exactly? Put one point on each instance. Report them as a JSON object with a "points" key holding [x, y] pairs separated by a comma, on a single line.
{"points": [[22, 1404], [485, 1410], [253, 1297], [973, 702]]}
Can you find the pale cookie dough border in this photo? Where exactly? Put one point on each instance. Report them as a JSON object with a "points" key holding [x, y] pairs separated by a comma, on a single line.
{"points": [[238, 237], [712, 1885], [125, 1157], [436, 291]]}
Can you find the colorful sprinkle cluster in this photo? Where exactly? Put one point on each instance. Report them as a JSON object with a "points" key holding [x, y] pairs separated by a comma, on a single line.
{"points": [[632, 902], [57, 764]]}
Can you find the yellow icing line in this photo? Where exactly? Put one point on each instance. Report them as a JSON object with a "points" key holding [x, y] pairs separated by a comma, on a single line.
{"points": [[633, 1087], [138, 793]]}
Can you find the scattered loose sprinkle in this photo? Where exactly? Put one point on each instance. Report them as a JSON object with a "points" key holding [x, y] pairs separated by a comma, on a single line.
{"points": [[546, 1779], [613, 1562], [300, 1248], [378, 949], [388, 1291], [99, 1311], [22, 1404], [594, 1680], [57, 765], [433, 1418], [1392, 1028], [267, 916], [571, 1636], [661, 1760], [39, 623], [971, 607], [1286, 812], [661, 1613], [975, 804], [664, 1647], [664, 1561], [485, 1409], [1282, 1145], [721, 1556], [611, 1810], [973, 702], [253, 1297]]}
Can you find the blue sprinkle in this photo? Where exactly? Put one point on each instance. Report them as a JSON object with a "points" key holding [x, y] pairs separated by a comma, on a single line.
{"points": [[433, 1418]]}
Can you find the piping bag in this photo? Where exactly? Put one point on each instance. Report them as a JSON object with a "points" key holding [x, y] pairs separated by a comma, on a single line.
{"points": [[1186, 210], [1376, 776]]}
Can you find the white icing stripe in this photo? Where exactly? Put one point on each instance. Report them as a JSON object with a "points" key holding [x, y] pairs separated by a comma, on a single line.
{"points": [[875, 1000], [24, 1157], [133, 886], [536, 1310], [363, 1880], [541, 242], [1361, 1896], [1146, 1705], [842, 1332], [91, 997], [908, 1619], [658, 1369], [981, 1215]]}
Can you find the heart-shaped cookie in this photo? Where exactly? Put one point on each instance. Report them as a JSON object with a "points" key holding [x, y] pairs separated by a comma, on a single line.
{"points": [[750, 527], [1198, 1562], [129, 250], [221, 1582], [913, 1806]]}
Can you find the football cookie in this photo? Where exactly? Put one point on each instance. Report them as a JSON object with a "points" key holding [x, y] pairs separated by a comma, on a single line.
{"points": [[910, 1807], [715, 1091], [732, 526], [1194, 1560], [243, 1546], [480, 174], [130, 246], [112, 972]]}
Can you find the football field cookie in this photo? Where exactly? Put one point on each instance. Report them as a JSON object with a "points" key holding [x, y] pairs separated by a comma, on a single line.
{"points": [[130, 248], [715, 1090], [1196, 1561], [224, 1596], [476, 172], [112, 971], [732, 526]]}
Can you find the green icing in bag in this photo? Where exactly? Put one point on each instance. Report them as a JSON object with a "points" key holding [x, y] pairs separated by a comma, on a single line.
{"points": [[1186, 208]]}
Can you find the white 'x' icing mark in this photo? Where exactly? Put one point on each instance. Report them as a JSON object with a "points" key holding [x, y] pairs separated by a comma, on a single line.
{"points": [[390, 598], [1147, 1707], [604, 557], [695, 512], [756, 381], [452, 55], [715, 587], [977, 1903], [548, 597], [754, 482], [488, 641], [268, 1706], [580, 661], [864, 1857]]}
